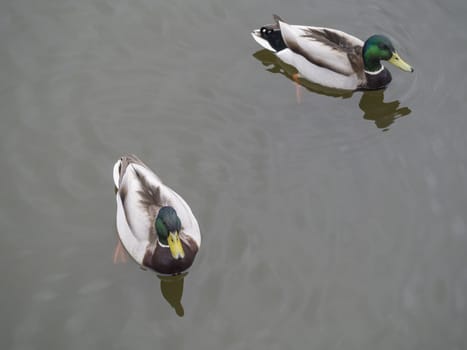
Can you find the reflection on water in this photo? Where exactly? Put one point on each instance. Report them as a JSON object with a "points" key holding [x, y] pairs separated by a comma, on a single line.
{"points": [[171, 286], [371, 103], [382, 113], [172, 291]]}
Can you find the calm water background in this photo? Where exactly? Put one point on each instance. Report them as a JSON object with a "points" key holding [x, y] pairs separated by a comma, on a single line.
{"points": [[336, 223]]}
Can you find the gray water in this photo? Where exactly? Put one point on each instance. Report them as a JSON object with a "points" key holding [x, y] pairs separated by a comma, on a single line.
{"points": [[335, 223]]}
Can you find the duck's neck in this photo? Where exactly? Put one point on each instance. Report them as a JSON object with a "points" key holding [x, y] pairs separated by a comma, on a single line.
{"points": [[372, 64]]}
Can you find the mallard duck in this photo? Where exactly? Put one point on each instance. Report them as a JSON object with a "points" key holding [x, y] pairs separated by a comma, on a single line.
{"points": [[154, 223], [330, 57]]}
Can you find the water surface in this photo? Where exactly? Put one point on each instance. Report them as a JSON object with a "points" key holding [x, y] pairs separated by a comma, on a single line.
{"points": [[339, 222]]}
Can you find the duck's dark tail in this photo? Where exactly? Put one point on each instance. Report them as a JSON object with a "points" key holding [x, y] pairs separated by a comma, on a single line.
{"points": [[269, 36]]}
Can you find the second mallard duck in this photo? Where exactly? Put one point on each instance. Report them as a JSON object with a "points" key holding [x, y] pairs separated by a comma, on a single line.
{"points": [[154, 223], [330, 57]]}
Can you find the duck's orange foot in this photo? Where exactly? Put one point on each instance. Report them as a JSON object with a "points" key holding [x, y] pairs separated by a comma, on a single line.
{"points": [[298, 91], [120, 255]]}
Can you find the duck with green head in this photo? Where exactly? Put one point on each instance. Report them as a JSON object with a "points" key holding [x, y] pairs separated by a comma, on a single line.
{"points": [[155, 225], [330, 57]]}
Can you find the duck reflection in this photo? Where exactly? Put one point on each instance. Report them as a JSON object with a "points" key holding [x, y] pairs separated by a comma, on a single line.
{"points": [[371, 103], [382, 113], [172, 291], [171, 286]]}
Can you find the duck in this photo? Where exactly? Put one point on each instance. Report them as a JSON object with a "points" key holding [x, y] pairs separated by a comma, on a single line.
{"points": [[331, 57], [155, 224]]}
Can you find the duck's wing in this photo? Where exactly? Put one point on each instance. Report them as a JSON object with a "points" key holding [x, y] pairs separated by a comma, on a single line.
{"points": [[141, 195], [325, 47], [135, 247], [190, 225]]}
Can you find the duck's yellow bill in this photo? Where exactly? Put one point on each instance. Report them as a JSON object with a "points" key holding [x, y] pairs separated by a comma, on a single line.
{"points": [[400, 63], [175, 246]]}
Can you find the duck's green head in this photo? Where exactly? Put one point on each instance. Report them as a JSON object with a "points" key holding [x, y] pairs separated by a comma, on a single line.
{"points": [[379, 47], [168, 227]]}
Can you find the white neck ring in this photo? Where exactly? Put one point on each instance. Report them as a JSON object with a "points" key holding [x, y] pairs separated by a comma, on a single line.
{"points": [[162, 245], [375, 72]]}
